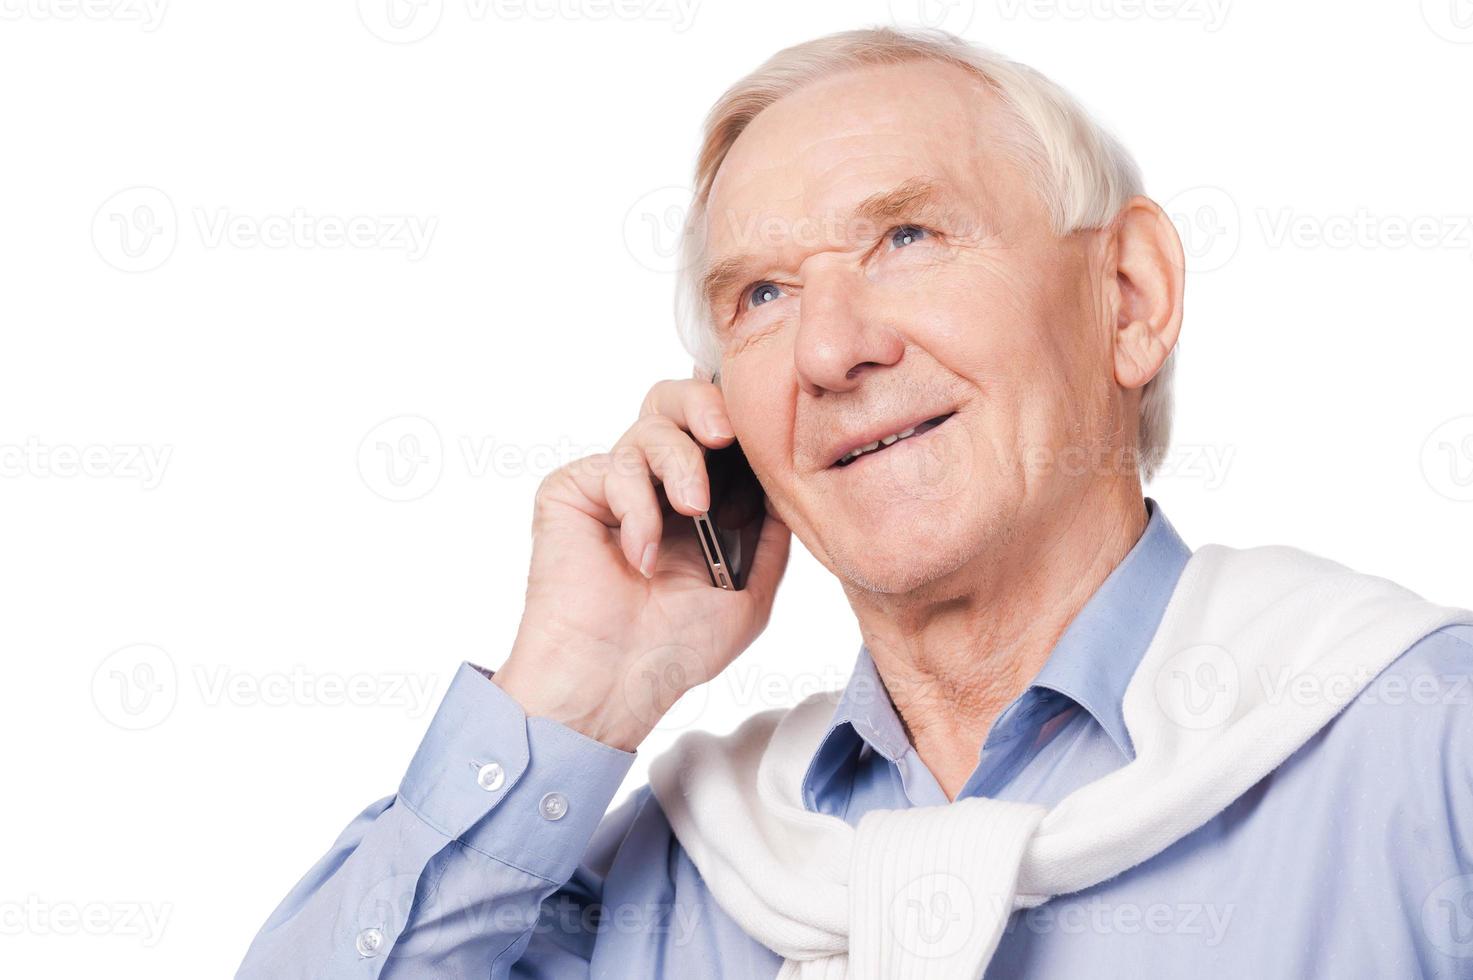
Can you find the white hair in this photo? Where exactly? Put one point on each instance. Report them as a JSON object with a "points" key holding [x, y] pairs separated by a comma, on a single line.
{"points": [[1081, 172]]}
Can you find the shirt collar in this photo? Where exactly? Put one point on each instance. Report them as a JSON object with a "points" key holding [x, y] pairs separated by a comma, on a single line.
{"points": [[1091, 664]]}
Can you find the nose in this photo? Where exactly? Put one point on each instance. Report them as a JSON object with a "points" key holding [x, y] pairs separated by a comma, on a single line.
{"points": [[840, 335]]}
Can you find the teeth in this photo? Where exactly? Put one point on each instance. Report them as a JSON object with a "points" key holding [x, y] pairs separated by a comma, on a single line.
{"points": [[872, 446]]}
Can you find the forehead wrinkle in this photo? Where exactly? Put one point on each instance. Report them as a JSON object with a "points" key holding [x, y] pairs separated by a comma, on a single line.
{"points": [[828, 199], [914, 197], [823, 170]]}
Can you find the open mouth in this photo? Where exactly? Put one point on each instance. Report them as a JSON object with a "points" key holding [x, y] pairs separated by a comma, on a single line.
{"points": [[886, 442]]}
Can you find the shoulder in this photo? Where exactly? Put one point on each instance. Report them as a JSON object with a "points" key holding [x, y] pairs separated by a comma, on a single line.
{"points": [[1408, 731], [1434, 670], [1427, 687], [1388, 783]]}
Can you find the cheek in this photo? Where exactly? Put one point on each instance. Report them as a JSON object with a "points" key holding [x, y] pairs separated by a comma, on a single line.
{"points": [[1030, 306], [984, 319], [1016, 328], [760, 405]]}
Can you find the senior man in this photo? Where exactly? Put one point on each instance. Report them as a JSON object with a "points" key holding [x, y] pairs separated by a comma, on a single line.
{"points": [[943, 316]]}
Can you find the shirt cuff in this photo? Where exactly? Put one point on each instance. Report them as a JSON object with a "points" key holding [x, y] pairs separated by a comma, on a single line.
{"points": [[528, 792]]}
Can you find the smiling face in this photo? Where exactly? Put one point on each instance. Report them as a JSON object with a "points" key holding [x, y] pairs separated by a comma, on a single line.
{"points": [[880, 261]]}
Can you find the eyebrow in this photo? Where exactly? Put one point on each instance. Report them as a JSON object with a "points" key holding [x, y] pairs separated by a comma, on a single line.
{"points": [[902, 201], [913, 199]]}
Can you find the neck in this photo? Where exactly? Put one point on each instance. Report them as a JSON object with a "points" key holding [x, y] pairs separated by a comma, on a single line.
{"points": [[953, 655]]}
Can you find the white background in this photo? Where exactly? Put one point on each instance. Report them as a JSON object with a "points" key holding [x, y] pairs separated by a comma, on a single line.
{"points": [[182, 420]]}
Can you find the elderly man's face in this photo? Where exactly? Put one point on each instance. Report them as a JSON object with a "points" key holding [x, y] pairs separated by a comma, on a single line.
{"points": [[949, 298]]}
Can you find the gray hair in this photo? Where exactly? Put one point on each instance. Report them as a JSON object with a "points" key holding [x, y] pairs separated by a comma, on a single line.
{"points": [[1081, 172]]}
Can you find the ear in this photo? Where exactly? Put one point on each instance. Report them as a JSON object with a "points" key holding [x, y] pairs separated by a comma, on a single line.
{"points": [[1150, 274]]}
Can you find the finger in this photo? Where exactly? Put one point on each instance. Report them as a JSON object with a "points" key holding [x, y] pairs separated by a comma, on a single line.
{"points": [[675, 459], [580, 484], [631, 498], [631, 510], [695, 406]]}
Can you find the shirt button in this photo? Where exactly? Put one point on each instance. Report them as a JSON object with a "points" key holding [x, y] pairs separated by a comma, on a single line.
{"points": [[553, 806], [491, 776], [369, 942]]}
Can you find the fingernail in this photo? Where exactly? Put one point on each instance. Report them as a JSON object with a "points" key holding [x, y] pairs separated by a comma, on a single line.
{"points": [[647, 561], [717, 425], [695, 496]]}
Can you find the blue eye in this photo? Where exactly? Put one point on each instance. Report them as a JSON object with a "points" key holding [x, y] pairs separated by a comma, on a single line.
{"points": [[907, 234], [763, 292]]}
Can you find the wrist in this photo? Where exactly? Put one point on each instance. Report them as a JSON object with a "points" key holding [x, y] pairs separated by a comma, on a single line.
{"points": [[585, 708]]}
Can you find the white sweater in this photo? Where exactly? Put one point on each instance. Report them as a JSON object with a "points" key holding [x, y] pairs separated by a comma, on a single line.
{"points": [[925, 893]]}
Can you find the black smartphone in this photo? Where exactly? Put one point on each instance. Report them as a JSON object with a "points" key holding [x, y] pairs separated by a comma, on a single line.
{"points": [[729, 530]]}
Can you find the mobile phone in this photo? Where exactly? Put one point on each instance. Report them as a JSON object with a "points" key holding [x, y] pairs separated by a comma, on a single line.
{"points": [[730, 528]]}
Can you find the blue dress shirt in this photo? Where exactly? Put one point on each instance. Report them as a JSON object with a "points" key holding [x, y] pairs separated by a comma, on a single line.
{"points": [[497, 857]]}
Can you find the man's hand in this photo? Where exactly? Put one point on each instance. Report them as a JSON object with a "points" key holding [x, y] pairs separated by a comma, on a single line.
{"points": [[621, 617]]}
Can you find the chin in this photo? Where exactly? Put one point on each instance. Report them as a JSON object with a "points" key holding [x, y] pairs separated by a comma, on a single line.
{"points": [[911, 515], [900, 557]]}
